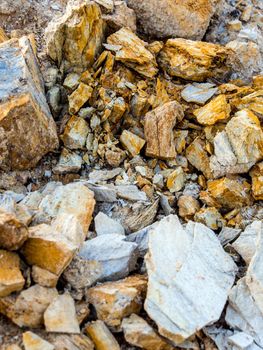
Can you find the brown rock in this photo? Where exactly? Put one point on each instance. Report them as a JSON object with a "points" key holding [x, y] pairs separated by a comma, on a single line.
{"points": [[73, 341], [3, 36], [256, 174], [43, 277], [158, 130], [193, 60], [115, 300], [101, 336], [79, 97], [27, 129], [11, 279], [122, 16], [75, 133], [32, 341], [132, 142], [13, 233], [188, 206]]}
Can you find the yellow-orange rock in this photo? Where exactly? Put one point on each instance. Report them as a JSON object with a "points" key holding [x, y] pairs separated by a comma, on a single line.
{"points": [[101, 336], [188, 206], [80, 96], [256, 174], [3, 36], [75, 133], [32, 341], [210, 217], [11, 279], [175, 180], [132, 142], [43, 277]]}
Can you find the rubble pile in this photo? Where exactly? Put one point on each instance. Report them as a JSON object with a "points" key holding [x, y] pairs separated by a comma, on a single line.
{"points": [[131, 178]]}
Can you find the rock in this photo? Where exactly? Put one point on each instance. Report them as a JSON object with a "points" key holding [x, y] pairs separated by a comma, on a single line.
{"points": [[115, 300], [216, 110], [162, 19], [75, 133], [210, 217], [71, 81], [13, 233], [198, 93], [60, 316], [230, 193], [193, 60], [76, 37], [130, 193], [141, 238], [158, 129], [97, 176], [101, 336], [73, 341], [43, 277], [79, 97], [69, 162], [131, 142], [106, 225], [27, 129], [139, 333], [253, 101], [197, 276], [27, 309], [122, 16], [11, 279], [116, 256], [175, 181], [256, 174], [3, 36], [228, 234], [31, 341], [241, 340], [104, 193], [131, 51], [53, 99], [188, 206]]}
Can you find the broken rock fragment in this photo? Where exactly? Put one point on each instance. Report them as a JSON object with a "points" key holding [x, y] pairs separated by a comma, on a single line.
{"points": [[75, 133], [175, 180], [44, 277], [106, 225], [198, 93], [256, 174], [32, 341], [132, 142], [188, 206], [193, 278], [158, 130], [79, 97], [101, 336]]}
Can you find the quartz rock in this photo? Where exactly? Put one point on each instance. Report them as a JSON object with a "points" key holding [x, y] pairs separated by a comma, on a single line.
{"points": [[216, 110], [71, 81], [43, 277], [188, 206], [76, 37], [241, 340], [32, 341], [196, 277], [106, 225], [210, 217], [131, 51], [69, 162], [158, 129], [193, 60], [11, 279], [175, 181], [79, 97], [256, 174], [115, 300], [13, 233], [27, 129], [198, 93], [60, 316], [101, 336], [116, 256], [75, 133], [131, 142]]}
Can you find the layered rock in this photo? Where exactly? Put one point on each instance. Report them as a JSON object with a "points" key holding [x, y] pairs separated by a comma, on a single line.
{"points": [[32, 341], [101, 336], [256, 174]]}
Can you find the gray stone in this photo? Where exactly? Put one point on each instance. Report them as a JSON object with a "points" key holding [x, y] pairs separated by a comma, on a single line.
{"points": [[106, 225], [241, 340], [141, 238], [198, 93], [131, 193], [228, 234], [103, 193], [69, 162], [97, 176]]}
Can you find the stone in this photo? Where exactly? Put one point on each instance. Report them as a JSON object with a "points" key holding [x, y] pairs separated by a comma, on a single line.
{"points": [[122, 16], [101, 336], [256, 174], [115, 300], [253, 101], [43, 277], [27, 309], [228, 234], [60, 316], [3, 36], [198, 93], [76, 37], [158, 130], [79, 97], [130, 193], [210, 217], [97, 176], [73, 341], [11, 279], [75, 133], [241, 340], [196, 277], [132, 52], [131, 142], [13, 233], [116, 257], [216, 110], [27, 129], [141, 238], [175, 180], [139, 333], [106, 225], [162, 19], [69, 162], [193, 60], [188, 206], [32, 341], [71, 81]]}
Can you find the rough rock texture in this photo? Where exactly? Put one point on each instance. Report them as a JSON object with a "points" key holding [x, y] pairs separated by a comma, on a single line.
{"points": [[32, 341], [198, 93], [131, 142], [106, 225], [11, 279], [101, 336], [193, 278], [76, 37], [180, 18], [158, 130], [43, 277], [75, 133], [257, 181], [27, 129]]}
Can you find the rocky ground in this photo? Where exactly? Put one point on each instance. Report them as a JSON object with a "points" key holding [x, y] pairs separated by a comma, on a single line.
{"points": [[131, 174]]}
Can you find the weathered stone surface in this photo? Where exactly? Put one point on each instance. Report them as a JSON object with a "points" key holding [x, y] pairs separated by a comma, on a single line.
{"points": [[27, 129], [193, 60], [3, 36], [141, 238], [116, 256], [106, 225], [60, 316], [122, 16], [188, 206], [158, 130], [43, 277], [76, 37], [241, 340], [131, 51], [13, 233], [165, 18], [79, 97], [73, 341], [193, 278], [131, 142], [69, 162], [198, 93], [131, 193], [75, 133], [11, 279], [101, 336], [228, 234], [210, 217], [32, 341], [139, 333], [175, 180], [115, 300], [256, 174], [216, 110]]}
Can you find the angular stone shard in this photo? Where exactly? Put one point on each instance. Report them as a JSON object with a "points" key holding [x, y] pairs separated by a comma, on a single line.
{"points": [[198, 93], [75, 133], [176, 180], [101, 336], [132, 142], [69, 162], [158, 130], [27, 129], [256, 174], [188, 206], [32, 341], [210, 217], [72, 342], [76, 37], [193, 60], [131, 51], [11, 279], [79, 97], [106, 225], [196, 277], [3, 36], [43, 277]]}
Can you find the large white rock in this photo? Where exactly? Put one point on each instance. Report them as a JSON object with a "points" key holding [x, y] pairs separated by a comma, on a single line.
{"points": [[106, 225], [190, 276]]}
